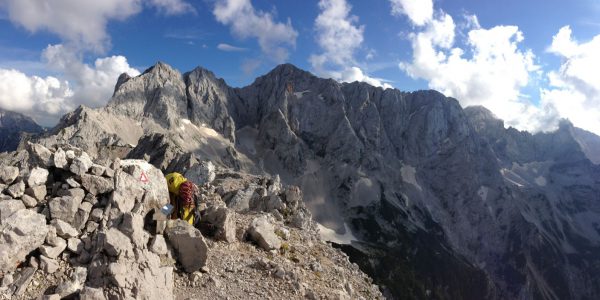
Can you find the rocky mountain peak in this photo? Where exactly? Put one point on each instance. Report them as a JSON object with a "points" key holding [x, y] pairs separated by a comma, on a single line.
{"points": [[12, 125]]}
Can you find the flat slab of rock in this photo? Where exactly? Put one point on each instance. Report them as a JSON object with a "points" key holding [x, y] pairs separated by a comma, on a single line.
{"points": [[21, 233], [117, 243], [189, 244], [262, 232], [17, 189], [37, 192]]}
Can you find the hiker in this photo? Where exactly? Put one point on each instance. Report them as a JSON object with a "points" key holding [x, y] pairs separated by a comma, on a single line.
{"points": [[182, 193]]}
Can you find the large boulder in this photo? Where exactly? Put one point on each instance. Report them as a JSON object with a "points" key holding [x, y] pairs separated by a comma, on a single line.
{"points": [[41, 155], [97, 184], [189, 244], [9, 207], [262, 232], [201, 173], [64, 208], [224, 221], [37, 192], [116, 243], [16, 190], [21, 233], [9, 174], [139, 181], [37, 176], [60, 159], [81, 165]]}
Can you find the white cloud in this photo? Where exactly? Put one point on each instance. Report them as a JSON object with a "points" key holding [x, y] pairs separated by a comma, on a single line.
{"points": [[230, 48], [173, 7], [247, 22], [35, 96], [574, 90], [93, 85], [339, 37], [420, 12], [490, 69], [81, 23], [356, 74], [47, 99]]}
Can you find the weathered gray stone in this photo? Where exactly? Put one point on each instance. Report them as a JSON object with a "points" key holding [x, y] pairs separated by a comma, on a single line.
{"points": [[37, 192], [54, 251], [263, 233], [97, 170], [74, 285], [75, 245], [64, 229], [90, 226], [37, 176], [70, 154], [60, 159], [77, 193], [240, 201], [8, 174], [51, 297], [116, 243], [64, 208], [72, 182], [97, 185], [159, 245], [97, 214], [28, 201], [82, 215], [127, 192], [41, 155], [21, 233], [23, 280], [201, 173], [9, 207], [189, 244], [49, 265], [89, 293], [110, 173], [224, 221], [133, 227], [80, 165], [16, 190]]}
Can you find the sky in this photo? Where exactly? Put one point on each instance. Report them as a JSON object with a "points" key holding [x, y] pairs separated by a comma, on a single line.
{"points": [[532, 63]]}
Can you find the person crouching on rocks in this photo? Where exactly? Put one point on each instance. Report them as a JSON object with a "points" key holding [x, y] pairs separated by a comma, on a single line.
{"points": [[182, 193]]}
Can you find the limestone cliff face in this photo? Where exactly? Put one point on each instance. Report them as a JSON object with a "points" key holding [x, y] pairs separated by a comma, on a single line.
{"points": [[438, 199]]}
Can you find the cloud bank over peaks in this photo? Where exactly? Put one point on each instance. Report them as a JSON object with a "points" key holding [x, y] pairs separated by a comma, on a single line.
{"points": [[339, 37], [246, 22], [490, 69], [574, 90], [47, 99]]}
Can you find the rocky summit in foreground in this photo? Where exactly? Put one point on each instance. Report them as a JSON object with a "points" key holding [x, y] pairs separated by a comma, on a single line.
{"points": [[430, 199], [72, 227]]}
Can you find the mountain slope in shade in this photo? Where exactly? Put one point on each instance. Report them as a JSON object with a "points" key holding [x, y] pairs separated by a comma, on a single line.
{"points": [[12, 125], [431, 199]]}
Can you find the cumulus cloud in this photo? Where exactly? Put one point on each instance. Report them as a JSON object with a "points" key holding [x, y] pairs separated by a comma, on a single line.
{"points": [[46, 99], [35, 96], [81, 23], [173, 7], [247, 22], [490, 69], [92, 85], [419, 12], [339, 37], [574, 89], [230, 48]]}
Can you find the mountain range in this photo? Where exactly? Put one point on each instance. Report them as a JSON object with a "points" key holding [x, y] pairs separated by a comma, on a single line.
{"points": [[430, 199], [12, 125]]}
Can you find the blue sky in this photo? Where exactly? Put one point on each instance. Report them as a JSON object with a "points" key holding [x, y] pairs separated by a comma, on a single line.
{"points": [[499, 54]]}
